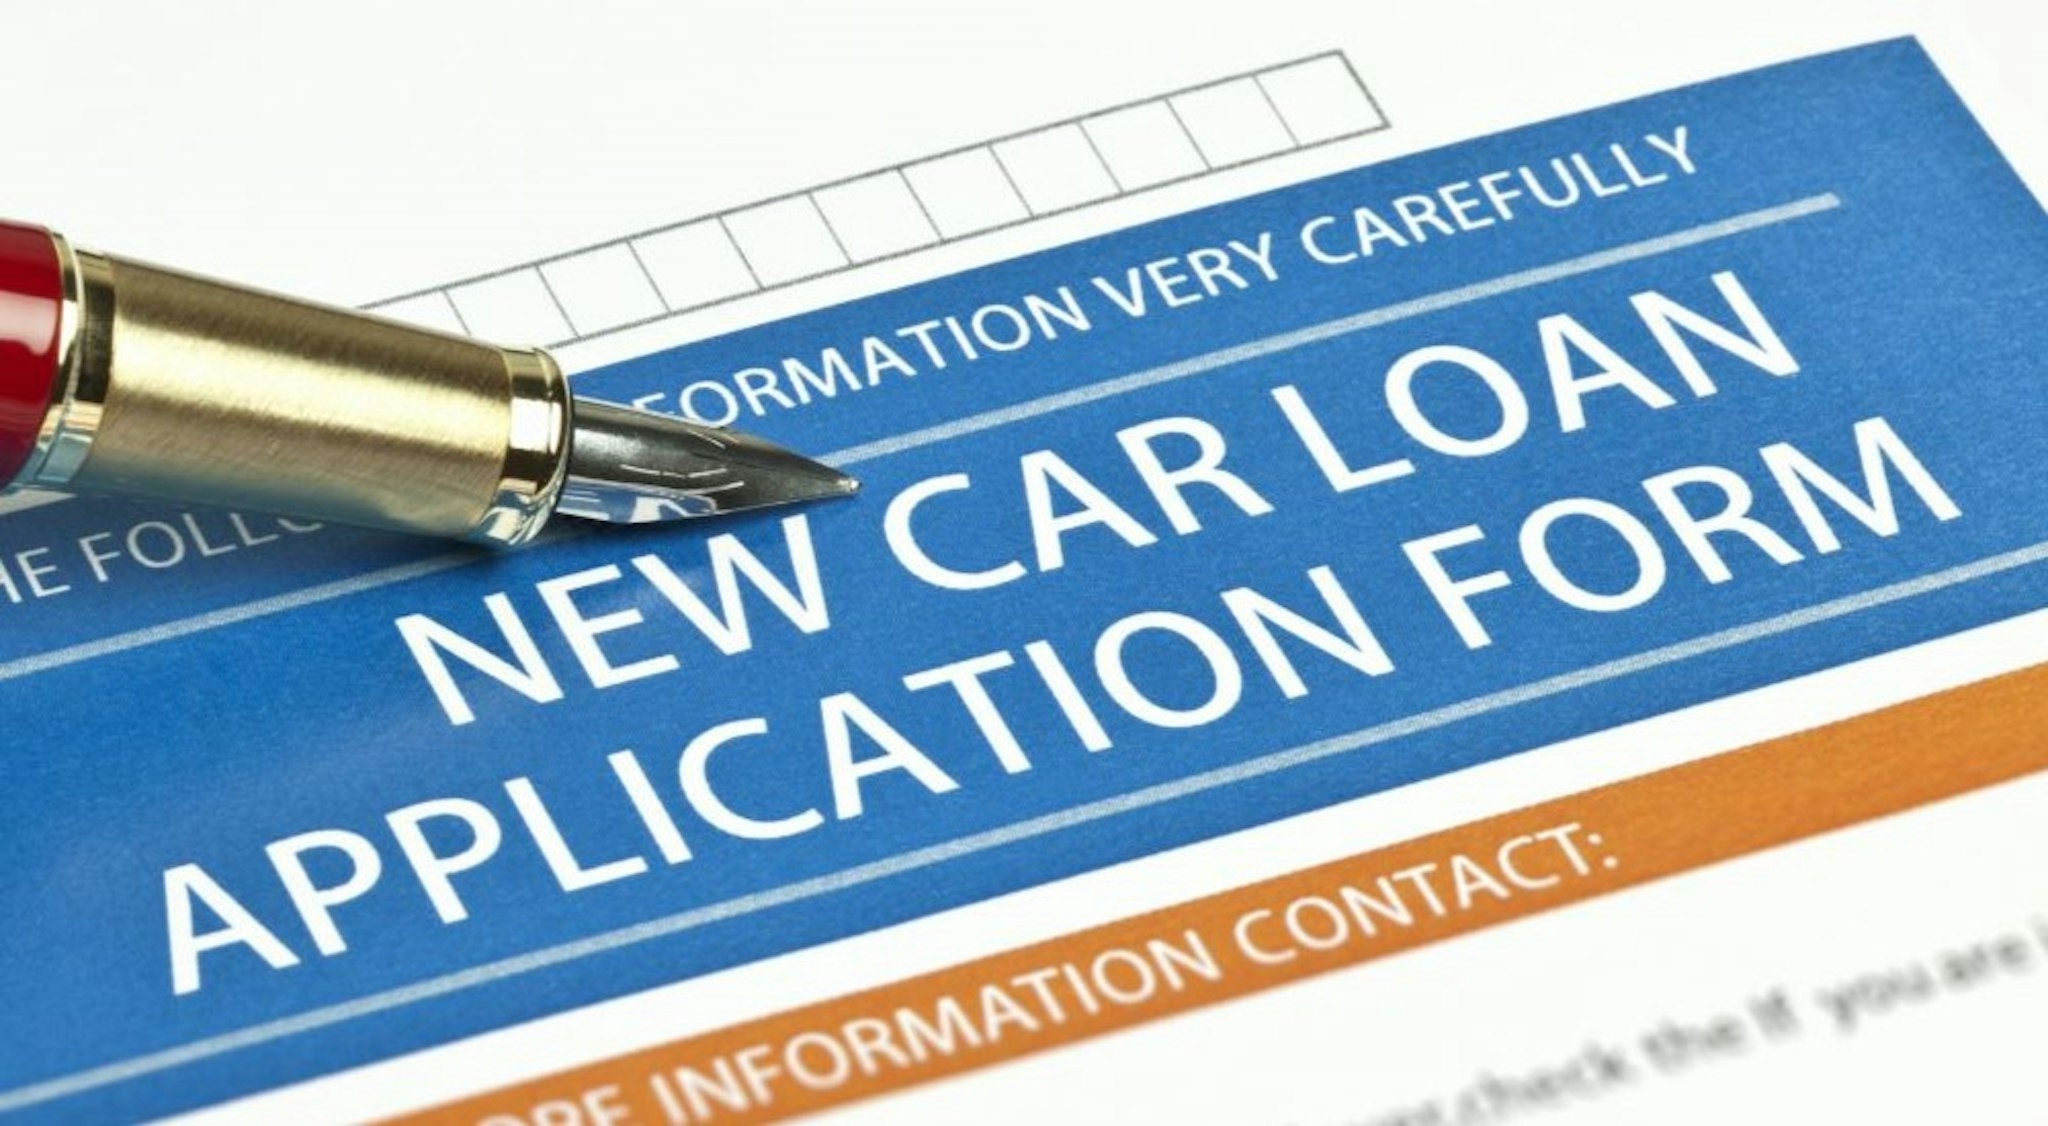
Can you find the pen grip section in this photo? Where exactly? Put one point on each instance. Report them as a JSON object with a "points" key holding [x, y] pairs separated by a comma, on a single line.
{"points": [[260, 401]]}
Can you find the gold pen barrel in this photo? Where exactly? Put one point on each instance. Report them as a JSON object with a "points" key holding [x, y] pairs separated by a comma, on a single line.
{"points": [[179, 387]]}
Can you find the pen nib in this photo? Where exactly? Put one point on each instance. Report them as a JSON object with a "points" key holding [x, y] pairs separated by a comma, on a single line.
{"points": [[629, 466]]}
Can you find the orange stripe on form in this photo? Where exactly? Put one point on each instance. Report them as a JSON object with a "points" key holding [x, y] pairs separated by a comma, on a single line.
{"points": [[1320, 919]]}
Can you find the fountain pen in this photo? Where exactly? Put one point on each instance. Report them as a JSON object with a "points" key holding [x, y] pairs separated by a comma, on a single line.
{"points": [[127, 378]]}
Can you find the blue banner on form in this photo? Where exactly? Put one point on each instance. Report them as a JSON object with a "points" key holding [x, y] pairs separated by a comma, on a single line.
{"points": [[1164, 534]]}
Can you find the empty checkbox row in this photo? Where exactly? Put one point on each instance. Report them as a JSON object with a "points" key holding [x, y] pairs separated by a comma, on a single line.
{"points": [[921, 204]]}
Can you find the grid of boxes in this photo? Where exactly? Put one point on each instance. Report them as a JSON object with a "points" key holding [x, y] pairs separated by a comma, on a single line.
{"points": [[898, 210]]}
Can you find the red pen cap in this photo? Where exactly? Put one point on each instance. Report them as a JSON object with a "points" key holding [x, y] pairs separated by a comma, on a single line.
{"points": [[31, 324]]}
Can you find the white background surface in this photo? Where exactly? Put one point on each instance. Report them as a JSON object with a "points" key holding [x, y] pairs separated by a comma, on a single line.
{"points": [[350, 152]]}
